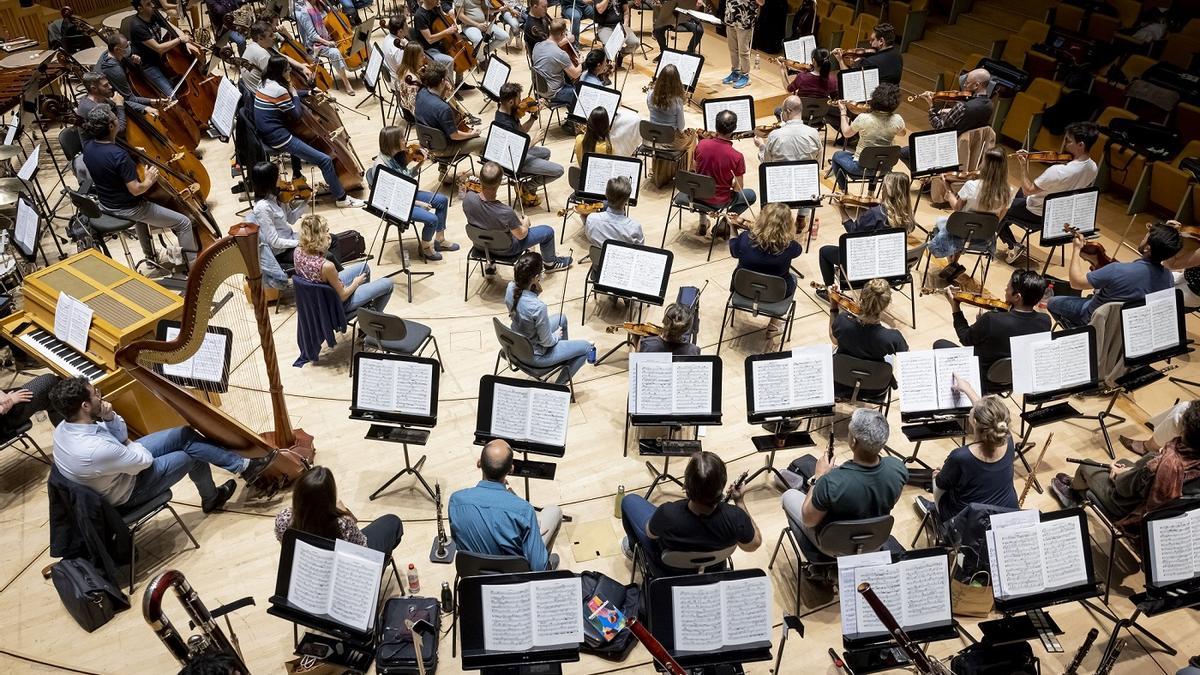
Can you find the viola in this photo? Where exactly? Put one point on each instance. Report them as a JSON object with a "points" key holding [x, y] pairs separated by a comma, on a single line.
{"points": [[1045, 156], [945, 96], [1093, 252], [981, 300], [840, 299], [415, 154], [857, 53], [792, 65], [529, 106], [639, 329], [569, 47]]}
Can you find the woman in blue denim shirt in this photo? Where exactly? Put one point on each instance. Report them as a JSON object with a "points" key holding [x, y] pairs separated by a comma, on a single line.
{"points": [[530, 318], [430, 207]]}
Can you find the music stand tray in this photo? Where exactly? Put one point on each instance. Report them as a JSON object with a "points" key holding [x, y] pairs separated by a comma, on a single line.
{"points": [[471, 626]]}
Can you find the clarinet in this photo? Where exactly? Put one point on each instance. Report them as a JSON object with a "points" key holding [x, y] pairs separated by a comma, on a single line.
{"points": [[441, 530], [1110, 659], [924, 664], [1083, 650]]}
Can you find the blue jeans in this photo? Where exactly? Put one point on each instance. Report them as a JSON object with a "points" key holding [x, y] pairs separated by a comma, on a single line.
{"points": [[156, 77], [372, 294], [844, 164], [577, 11], [301, 151], [1069, 310], [565, 95], [433, 221], [350, 5], [178, 452], [541, 236], [574, 352], [635, 514], [238, 39]]}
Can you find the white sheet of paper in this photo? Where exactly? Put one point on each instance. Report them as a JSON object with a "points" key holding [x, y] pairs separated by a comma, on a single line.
{"points": [[354, 593], [1171, 557], [30, 164], [25, 231], [746, 611], [703, 16], [697, 617], [496, 76], [510, 411], [812, 376], [72, 320], [848, 589], [1019, 556], [877, 256], [10, 134], [772, 385], [636, 360], [692, 384], [1153, 326], [393, 195], [616, 40], [557, 619], [374, 64], [1041, 364], [959, 361], [634, 270], [917, 377], [505, 148], [1063, 551], [687, 65], [800, 50], [548, 411], [885, 581], [225, 107], [654, 388], [1021, 347], [740, 107], [507, 617], [792, 183], [925, 583], [309, 585], [207, 364], [936, 151], [591, 97], [601, 169], [395, 386], [1078, 211]]}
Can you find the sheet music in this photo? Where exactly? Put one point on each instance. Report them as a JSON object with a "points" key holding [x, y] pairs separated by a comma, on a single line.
{"points": [[30, 164], [1063, 547], [393, 195], [354, 593], [746, 611], [703, 16], [876, 256], [1059, 364], [308, 586], [1019, 556], [591, 97], [959, 361], [918, 380], [25, 231], [507, 617], [395, 386], [925, 583], [688, 66], [206, 365], [510, 411], [800, 50], [742, 107], [1174, 545], [772, 384], [374, 64], [635, 270], [858, 85], [1077, 210], [651, 388], [936, 151], [615, 41], [11, 134], [692, 385], [885, 581], [505, 148], [697, 617], [225, 107], [601, 168], [803, 381], [848, 588], [557, 619], [72, 320], [792, 183], [548, 416], [1153, 326], [496, 76]]}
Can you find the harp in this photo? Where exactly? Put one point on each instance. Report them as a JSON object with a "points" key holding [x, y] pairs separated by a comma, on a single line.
{"points": [[228, 267]]}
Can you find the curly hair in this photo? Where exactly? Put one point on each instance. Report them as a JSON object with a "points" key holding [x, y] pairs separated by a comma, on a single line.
{"points": [[885, 99], [772, 230], [314, 234]]}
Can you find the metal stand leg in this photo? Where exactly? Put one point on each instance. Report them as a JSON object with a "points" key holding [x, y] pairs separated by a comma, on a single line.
{"points": [[660, 476], [769, 465], [409, 467], [1129, 624]]}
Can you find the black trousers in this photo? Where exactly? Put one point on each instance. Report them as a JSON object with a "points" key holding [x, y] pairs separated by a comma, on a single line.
{"points": [[22, 412], [384, 533]]}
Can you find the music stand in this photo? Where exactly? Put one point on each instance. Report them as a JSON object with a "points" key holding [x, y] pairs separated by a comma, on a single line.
{"points": [[943, 419], [636, 273], [27, 234], [217, 345], [370, 76], [662, 625], [873, 248], [857, 84], [741, 106], [473, 624], [688, 65], [933, 152], [507, 149], [796, 184], [596, 169], [494, 78], [1076, 208], [392, 196], [488, 429], [592, 96], [793, 411], [398, 395]]}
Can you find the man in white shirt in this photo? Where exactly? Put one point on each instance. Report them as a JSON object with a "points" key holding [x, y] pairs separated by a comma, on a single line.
{"points": [[92, 448], [258, 52], [794, 140], [1079, 173], [614, 222], [392, 46]]}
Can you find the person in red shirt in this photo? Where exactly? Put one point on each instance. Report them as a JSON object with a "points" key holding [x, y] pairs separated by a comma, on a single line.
{"points": [[818, 84], [716, 157]]}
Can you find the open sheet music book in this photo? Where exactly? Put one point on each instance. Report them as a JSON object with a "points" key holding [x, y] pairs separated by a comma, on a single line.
{"points": [[702, 16], [1076, 208], [1041, 364], [1174, 548], [496, 76], [25, 234], [533, 614], [392, 195], [638, 270], [342, 584], [225, 108], [934, 151], [394, 386], [800, 50], [1152, 326], [925, 378], [598, 169], [660, 385], [506, 148], [729, 613], [792, 183], [72, 320], [1028, 556], [878, 255], [742, 106], [687, 64], [530, 414], [208, 365], [615, 41], [592, 96], [857, 85], [916, 590], [802, 381]]}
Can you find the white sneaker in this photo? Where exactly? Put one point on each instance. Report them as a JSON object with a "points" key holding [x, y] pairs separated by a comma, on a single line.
{"points": [[349, 202], [1014, 253]]}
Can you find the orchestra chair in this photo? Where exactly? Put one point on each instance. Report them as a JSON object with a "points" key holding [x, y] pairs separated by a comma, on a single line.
{"points": [[517, 351], [468, 564], [759, 295], [542, 90], [837, 538], [875, 163], [391, 334], [658, 142], [829, 33], [998, 379], [102, 225], [434, 141], [815, 114], [870, 382], [573, 199], [979, 231], [319, 312], [1023, 119], [21, 435], [676, 563], [688, 190], [1172, 188], [488, 249]]}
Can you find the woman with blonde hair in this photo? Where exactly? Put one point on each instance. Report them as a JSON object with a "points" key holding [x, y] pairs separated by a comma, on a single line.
{"points": [[864, 336], [894, 210], [665, 103], [990, 193], [353, 284], [769, 247], [979, 472]]}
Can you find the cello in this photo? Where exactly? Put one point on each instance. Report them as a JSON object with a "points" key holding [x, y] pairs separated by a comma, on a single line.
{"points": [[196, 88], [455, 45], [292, 49], [341, 32]]}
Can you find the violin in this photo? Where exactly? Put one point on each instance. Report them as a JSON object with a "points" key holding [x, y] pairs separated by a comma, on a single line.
{"points": [[766, 129], [1045, 156], [584, 209], [944, 96], [981, 300], [1093, 252], [414, 153], [469, 184], [857, 53], [854, 106], [296, 188], [792, 65], [638, 329], [528, 106], [840, 299], [847, 199]]}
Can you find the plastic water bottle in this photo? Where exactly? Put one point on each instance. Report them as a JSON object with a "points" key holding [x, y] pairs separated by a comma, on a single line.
{"points": [[757, 59], [414, 582], [617, 505]]}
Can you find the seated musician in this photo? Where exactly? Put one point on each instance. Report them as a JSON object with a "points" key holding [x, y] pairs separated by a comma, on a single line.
{"points": [[275, 219], [886, 58], [529, 317], [794, 140], [1130, 491], [218, 10], [894, 210], [608, 15], [991, 332], [990, 193], [317, 510], [100, 92], [821, 82], [537, 169], [676, 337], [665, 102], [666, 18], [430, 208], [718, 159], [408, 76], [962, 115], [864, 336], [595, 136], [152, 37], [551, 61], [484, 210], [92, 448], [18, 406], [867, 486], [875, 128], [1166, 425], [276, 107], [1118, 281], [701, 523], [474, 17], [353, 284], [112, 64], [259, 50], [116, 183], [614, 221], [432, 110], [769, 247], [491, 519], [392, 46], [597, 68], [1028, 205], [537, 23], [436, 45], [310, 21]]}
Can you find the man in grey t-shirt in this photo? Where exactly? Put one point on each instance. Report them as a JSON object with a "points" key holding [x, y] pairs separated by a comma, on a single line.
{"points": [[551, 61], [484, 210]]}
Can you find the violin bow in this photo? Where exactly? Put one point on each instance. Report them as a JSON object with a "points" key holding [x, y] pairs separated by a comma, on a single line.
{"points": [[563, 302]]}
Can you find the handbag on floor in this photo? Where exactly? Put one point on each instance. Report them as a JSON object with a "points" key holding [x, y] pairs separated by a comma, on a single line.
{"points": [[90, 599], [396, 652]]}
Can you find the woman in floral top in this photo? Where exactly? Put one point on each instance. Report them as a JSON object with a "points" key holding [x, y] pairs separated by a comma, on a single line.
{"points": [[316, 510], [739, 22]]}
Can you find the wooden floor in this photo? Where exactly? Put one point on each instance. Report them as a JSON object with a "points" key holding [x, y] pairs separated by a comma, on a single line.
{"points": [[238, 554]]}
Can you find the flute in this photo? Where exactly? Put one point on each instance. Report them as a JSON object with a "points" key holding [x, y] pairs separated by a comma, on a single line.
{"points": [[1033, 472]]}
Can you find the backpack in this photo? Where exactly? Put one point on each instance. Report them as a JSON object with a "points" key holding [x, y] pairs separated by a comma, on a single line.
{"points": [[625, 598], [395, 652]]}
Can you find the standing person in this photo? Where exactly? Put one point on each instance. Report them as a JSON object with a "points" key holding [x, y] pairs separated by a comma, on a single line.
{"points": [[353, 284], [275, 219], [876, 128], [430, 208], [666, 18], [310, 21], [894, 210], [886, 58], [718, 159], [276, 106], [979, 472], [484, 210], [768, 247], [552, 62], [529, 317], [665, 102], [990, 193], [317, 510], [537, 168], [740, 16], [614, 221], [152, 37], [794, 140]]}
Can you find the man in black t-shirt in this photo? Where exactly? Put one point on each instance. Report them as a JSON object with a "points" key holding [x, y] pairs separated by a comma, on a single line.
{"points": [[151, 37], [435, 43], [537, 165], [886, 58], [701, 523]]}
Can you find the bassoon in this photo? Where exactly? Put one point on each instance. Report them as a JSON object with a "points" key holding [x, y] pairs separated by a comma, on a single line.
{"points": [[211, 640], [924, 664]]}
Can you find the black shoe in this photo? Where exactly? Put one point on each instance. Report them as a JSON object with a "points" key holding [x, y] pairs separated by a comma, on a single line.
{"points": [[466, 87], [218, 500], [951, 271], [256, 467], [458, 96]]}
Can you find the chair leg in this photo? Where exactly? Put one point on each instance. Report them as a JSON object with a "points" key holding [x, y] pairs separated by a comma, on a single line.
{"points": [[721, 337], [437, 351], [132, 560], [195, 544], [778, 546]]}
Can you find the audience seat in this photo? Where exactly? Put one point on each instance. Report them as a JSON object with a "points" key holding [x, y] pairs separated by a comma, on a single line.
{"points": [[843, 14], [1118, 164], [1068, 17], [829, 33], [1026, 106], [1171, 186]]}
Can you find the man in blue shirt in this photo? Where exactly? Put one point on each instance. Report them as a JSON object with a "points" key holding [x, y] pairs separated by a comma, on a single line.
{"points": [[489, 518]]}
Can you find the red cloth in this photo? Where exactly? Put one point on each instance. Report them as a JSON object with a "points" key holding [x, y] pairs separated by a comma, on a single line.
{"points": [[810, 85], [717, 157]]}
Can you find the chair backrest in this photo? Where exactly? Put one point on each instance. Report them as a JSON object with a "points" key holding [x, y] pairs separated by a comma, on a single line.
{"points": [[814, 111], [850, 371], [595, 254], [517, 348], [696, 561], [1000, 372], [85, 205], [972, 226], [573, 173], [695, 185], [759, 287], [879, 159], [541, 88], [468, 564], [656, 134], [381, 326], [494, 242], [432, 139], [71, 141], [851, 537]]}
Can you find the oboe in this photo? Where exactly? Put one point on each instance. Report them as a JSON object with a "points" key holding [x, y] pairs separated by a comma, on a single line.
{"points": [[1110, 659], [1083, 650], [1033, 472], [924, 664]]}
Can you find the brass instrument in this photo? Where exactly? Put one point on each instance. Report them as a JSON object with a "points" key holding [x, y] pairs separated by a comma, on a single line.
{"points": [[1073, 668], [1032, 477], [211, 640]]}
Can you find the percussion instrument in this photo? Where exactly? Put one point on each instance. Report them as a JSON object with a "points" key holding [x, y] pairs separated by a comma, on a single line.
{"points": [[32, 57], [114, 21]]}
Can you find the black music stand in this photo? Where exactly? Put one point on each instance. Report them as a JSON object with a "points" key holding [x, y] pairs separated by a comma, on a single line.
{"points": [[1089, 229], [1141, 369], [727, 661], [502, 152], [787, 435], [395, 213], [484, 430], [610, 100], [30, 255], [638, 298], [475, 656], [742, 106], [927, 173], [390, 423], [675, 58]]}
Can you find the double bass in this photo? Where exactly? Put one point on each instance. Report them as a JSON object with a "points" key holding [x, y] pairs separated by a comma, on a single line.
{"points": [[196, 88]]}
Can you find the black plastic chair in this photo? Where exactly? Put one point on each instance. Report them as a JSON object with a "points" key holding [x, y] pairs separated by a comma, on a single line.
{"points": [[139, 516], [875, 162], [488, 249], [760, 295], [689, 191], [870, 382], [658, 142], [517, 351], [978, 231], [436, 143], [391, 334], [573, 199]]}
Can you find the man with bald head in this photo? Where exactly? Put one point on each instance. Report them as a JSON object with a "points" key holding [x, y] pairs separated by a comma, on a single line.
{"points": [[793, 140], [489, 518], [962, 115]]}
